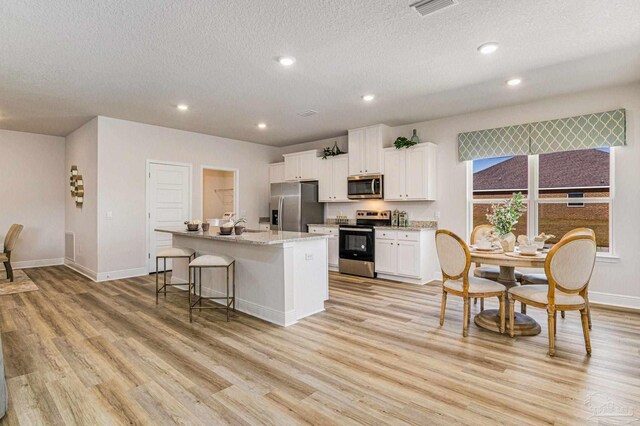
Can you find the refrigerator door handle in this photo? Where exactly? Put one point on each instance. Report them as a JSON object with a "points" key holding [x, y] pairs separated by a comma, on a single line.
{"points": [[280, 208]]}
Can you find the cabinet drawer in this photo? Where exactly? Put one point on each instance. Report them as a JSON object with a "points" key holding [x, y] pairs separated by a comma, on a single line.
{"points": [[386, 235], [331, 231], [316, 230], [408, 235]]}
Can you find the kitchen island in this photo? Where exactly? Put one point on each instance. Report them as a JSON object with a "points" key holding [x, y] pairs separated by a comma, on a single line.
{"points": [[281, 276]]}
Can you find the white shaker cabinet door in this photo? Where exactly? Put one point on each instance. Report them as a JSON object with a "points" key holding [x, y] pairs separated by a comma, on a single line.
{"points": [[340, 175], [333, 251], [292, 168], [394, 175], [325, 181], [415, 174], [408, 258], [356, 152], [386, 255]]}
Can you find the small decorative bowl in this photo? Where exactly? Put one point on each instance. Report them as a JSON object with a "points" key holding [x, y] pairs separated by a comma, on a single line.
{"points": [[224, 230], [192, 227], [239, 230], [205, 227]]}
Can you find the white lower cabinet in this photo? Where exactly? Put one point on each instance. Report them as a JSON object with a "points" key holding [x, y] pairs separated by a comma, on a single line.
{"points": [[408, 256], [332, 243]]}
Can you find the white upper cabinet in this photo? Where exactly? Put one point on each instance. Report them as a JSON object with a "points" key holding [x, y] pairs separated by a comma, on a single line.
{"points": [[301, 166], [332, 179], [276, 173], [410, 174], [365, 149]]}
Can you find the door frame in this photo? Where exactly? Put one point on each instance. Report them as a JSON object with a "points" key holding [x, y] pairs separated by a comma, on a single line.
{"points": [[147, 178], [236, 187]]}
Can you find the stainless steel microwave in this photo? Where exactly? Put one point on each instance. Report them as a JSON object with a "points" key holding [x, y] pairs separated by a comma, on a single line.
{"points": [[361, 187]]}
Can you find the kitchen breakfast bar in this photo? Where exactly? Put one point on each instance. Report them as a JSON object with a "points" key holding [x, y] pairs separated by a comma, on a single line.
{"points": [[281, 276]]}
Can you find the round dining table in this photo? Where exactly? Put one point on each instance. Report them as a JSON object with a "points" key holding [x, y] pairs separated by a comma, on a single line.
{"points": [[489, 319]]}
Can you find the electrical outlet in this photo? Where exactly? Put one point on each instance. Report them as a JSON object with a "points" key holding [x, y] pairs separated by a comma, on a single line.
{"points": [[109, 215], [308, 256], [437, 215]]}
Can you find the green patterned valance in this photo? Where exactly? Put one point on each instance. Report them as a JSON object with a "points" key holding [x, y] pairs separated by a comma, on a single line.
{"points": [[599, 130], [582, 132], [512, 140]]}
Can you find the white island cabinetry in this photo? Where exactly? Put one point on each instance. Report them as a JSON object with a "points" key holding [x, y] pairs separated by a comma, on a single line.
{"points": [[281, 276]]}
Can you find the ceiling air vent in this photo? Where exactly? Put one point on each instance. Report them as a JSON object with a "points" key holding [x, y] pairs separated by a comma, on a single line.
{"points": [[307, 113], [427, 7]]}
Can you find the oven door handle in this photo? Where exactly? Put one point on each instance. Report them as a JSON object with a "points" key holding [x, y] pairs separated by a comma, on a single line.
{"points": [[356, 229]]}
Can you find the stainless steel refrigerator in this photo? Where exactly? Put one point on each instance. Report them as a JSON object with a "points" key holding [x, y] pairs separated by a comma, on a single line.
{"points": [[294, 205]]}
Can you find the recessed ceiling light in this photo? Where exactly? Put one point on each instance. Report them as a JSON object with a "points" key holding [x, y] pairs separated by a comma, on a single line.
{"points": [[488, 48], [514, 81], [262, 126], [286, 61], [182, 107], [368, 98]]}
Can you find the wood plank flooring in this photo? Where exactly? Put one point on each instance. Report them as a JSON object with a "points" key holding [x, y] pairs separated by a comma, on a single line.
{"points": [[78, 352]]}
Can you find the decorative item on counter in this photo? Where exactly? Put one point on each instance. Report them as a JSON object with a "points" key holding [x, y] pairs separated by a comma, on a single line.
{"points": [[402, 142], [227, 228], [414, 138], [239, 229], [331, 152], [205, 227], [504, 217], [342, 220], [395, 216], [193, 225], [76, 184], [403, 219]]}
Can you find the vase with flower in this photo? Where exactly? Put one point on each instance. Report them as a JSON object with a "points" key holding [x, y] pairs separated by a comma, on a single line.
{"points": [[504, 217]]}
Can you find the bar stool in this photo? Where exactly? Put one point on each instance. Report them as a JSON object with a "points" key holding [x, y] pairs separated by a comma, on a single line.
{"points": [[171, 253], [211, 261]]}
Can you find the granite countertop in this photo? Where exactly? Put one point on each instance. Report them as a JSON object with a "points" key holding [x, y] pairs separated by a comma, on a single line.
{"points": [[414, 226], [259, 238]]}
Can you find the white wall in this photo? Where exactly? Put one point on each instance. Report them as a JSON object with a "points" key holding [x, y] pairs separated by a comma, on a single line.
{"points": [[82, 151], [123, 149], [615, 282], [32, 187]]}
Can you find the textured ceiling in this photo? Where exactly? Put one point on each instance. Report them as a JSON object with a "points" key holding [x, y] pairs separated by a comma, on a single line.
{"points": [[63, 62]]}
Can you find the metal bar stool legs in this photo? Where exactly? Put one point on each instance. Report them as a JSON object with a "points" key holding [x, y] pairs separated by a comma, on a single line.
{"points": [[195, 271], [170, 253]]}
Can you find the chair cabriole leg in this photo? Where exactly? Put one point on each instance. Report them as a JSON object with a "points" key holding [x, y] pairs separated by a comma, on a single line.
{"points": [[551, 319], [465, 320], [584, 315], [443, 306]]}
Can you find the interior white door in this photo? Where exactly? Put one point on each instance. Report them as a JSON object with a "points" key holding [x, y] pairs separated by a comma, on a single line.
{"points": [[169, 205]]}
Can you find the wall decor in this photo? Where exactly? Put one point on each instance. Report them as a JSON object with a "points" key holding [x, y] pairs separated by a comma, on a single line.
{"points": [[76, 184]]}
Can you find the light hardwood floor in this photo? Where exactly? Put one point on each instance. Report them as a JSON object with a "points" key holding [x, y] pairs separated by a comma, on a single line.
{"points": [[78, 352]]}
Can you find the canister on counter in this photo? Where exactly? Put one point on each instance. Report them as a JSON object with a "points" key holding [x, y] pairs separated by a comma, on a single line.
{"points": [[402, 219], [394, 217]]}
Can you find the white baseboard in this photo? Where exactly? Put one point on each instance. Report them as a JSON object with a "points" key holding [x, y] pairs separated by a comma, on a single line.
{"points": [[118, 275], [37, 263], [92, 275], [281, 318], [617, 300]]}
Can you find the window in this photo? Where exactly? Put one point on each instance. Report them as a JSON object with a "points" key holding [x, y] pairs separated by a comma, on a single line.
{"points": [[552, 184]]}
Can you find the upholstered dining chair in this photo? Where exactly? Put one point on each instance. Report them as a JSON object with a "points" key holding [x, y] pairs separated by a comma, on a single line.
{"points": [[568, 266], [455, 262], [487, 272], [9, 243], [528, 279]]}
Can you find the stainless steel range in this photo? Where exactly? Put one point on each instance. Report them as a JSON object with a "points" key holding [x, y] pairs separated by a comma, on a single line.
{"points": [[357, 243]]}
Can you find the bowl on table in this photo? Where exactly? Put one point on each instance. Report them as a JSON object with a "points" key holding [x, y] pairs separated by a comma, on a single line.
{"points": [[193, 226], [239, 229], [528, 249]]}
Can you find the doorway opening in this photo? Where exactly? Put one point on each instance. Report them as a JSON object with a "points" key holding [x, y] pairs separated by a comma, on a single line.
{"points": [[219, 193]]}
